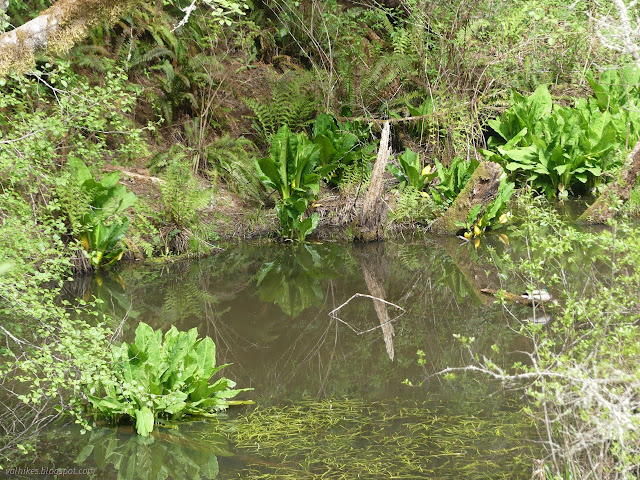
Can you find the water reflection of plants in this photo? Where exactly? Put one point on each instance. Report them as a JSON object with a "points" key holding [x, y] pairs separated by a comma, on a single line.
{"points": [[293, 281], [184, 453], [580, 372]]}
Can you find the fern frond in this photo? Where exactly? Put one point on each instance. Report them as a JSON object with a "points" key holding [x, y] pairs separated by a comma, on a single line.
{"points": [[293, 102]]}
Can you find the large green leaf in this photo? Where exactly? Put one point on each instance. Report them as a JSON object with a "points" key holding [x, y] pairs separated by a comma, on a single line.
{"points": [[144, 421], [206, 357]]}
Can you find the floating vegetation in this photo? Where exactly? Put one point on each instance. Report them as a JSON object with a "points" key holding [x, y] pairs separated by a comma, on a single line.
{"points": [[350, 439]]}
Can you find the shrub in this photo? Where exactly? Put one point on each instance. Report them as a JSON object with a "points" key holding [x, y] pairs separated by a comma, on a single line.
{"points": [[101, 226], [293, 171], [567, 149], [153, 378]]}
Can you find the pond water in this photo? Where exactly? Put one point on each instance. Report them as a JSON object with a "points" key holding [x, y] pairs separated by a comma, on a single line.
{"points": [[331, 394]]}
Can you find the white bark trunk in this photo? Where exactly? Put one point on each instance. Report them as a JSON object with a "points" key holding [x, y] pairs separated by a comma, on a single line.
{"points": [[56, 30]]}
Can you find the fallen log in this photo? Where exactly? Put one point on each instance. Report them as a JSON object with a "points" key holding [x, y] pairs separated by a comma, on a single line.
{"points": [[619, 190], [512, 297]]}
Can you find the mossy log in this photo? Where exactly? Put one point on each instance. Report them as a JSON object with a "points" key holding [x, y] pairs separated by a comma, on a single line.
{"points": [[369, 226], [56, 30], [511, 297], [619, 190], [482, 189]]}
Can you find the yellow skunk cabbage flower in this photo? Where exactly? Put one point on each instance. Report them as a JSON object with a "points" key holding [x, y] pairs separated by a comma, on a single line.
{"points": [[293, 183], [476, 231], [476, 243], [467, 235], [504, 218], [424, 194], [504, 239], [426, 170]]}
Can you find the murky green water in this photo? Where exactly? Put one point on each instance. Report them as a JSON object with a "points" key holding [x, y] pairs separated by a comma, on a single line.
{"points": [[330, 401]]}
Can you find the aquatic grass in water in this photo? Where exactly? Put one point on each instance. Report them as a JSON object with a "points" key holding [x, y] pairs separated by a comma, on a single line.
{"points": [[348, 439]]}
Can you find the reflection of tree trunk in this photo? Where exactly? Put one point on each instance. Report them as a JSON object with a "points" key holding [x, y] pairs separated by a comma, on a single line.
{"points": [[373, 270], [603, 208], [370, 223]]}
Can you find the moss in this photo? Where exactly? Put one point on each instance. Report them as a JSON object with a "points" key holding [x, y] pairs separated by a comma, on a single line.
{"points": [[72, 20], [481, 188]]}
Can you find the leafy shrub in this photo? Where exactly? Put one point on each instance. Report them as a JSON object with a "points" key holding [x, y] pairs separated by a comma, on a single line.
{"points": [[153, 378], [411, 172], [452, 180], [566, 149], [293, 171], [342, 145], [101, 225]]}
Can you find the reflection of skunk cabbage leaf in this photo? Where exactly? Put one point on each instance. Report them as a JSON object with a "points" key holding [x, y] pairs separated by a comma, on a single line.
{"points": [[149, 458], [294, 280]]}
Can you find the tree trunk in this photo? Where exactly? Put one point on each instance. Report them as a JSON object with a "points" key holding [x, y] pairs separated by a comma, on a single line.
{"points": [[56, 30], [482, 188], [620, 190], [370, 223]]}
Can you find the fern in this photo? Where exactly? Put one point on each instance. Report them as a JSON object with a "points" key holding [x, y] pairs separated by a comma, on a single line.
{"points": [[369, 86], [402, 42], [232, 161], [293, 102]]}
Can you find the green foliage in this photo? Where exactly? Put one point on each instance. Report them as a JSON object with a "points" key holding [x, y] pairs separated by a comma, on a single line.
{"points": [[291, 168], [293, 171], [292, 102], [154, 378], [176, 455], [452, 180], [427, 107], [182, 195], [411, 172], [414, 206], [566, 149], [342, 145], [231, 160], [51, 349], [101, 225], [618, 93], [489, 217], [48, 350]]}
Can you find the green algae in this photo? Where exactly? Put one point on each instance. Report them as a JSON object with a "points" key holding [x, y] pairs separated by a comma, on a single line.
{"points": [[347, 439]]}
